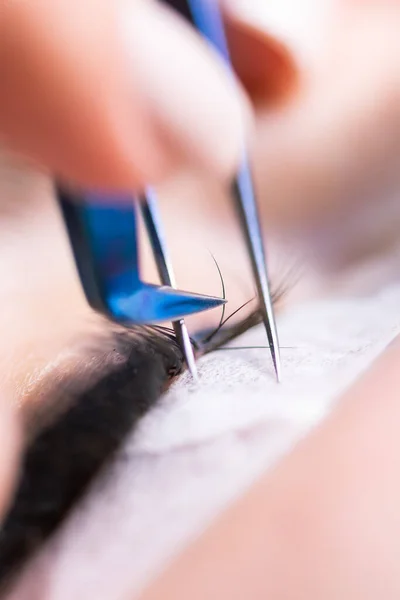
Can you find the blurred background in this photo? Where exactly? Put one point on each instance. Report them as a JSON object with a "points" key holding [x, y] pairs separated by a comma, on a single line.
{"points": [[326, 137]]}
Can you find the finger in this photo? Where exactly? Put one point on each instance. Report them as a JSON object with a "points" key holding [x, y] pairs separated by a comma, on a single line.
{"points": [[115, 93]]}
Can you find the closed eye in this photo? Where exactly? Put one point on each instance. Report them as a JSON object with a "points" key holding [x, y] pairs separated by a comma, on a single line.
{"points": [[100, 408], [88, 414]]}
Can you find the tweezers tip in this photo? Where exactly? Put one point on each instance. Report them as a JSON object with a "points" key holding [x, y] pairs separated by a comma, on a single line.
{"points": [[193, 370], [191, 362], [187, 348], [274, 346], [278, 366]]}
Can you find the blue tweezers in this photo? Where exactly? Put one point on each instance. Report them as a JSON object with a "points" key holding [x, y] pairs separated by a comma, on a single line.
{"points": [[103, 234]]}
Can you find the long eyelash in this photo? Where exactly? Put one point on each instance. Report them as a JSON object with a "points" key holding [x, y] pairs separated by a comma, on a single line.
{"points": [[170, 332], [250, 348], [217, 339], [213, 334], [221, 322], [222, 336]]}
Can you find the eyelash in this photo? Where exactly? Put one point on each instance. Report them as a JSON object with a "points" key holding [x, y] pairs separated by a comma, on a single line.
{"points": [[211, 341], [51, 478], [92, 428]]}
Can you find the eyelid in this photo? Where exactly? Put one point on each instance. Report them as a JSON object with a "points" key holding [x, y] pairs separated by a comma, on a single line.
{"points": [[93, 429], [47, 391]]}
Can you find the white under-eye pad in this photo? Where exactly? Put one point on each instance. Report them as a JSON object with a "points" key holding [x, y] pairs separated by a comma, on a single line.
{"points": [[324, 346], [203, 446]]}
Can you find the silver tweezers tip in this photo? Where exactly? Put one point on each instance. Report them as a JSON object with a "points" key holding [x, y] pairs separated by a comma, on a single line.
{"points": [[187, 348], [272, 331], [276, 359]]}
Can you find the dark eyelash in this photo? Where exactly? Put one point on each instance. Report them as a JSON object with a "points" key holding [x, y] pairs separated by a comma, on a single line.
{"points": [[208, 342], [222, 336], [67, 454], [64, 458]]}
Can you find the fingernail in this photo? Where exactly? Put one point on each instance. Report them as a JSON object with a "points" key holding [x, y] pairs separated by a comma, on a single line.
{"points": [[300, 26], [198, 111], [356, 234]]}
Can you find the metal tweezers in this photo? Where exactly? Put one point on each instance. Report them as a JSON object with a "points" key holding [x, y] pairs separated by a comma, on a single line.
{"points": [[102, 229]]}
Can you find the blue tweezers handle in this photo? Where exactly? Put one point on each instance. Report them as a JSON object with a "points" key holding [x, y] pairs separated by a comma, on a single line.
{"points": [[104, 238], [206, 18]]}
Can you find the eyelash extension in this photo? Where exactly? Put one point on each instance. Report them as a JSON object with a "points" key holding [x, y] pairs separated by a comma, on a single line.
{"points": [[67, 454], [223, 335], [208, 342]]}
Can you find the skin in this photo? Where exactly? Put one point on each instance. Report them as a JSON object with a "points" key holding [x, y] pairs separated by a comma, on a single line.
{"points": [[339, 139], [338, 557]]}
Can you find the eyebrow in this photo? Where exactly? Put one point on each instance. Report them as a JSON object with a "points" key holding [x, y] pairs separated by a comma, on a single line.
{"points": [[70, 450]]}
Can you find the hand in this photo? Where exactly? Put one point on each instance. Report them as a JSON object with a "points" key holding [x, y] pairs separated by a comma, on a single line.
{"points": [[117, 93]]}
